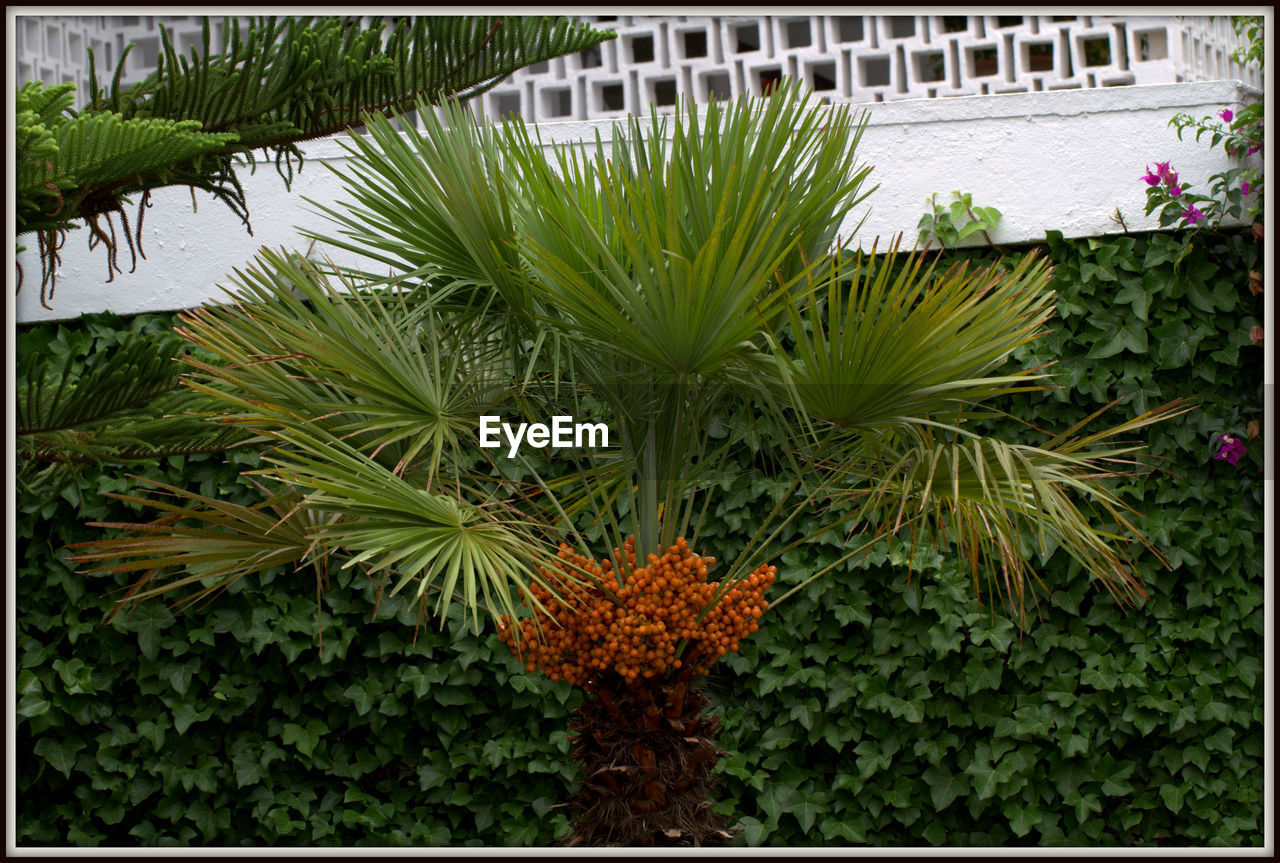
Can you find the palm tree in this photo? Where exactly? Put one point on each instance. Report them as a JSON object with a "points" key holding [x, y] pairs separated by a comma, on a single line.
{"points": [[677, 283]]}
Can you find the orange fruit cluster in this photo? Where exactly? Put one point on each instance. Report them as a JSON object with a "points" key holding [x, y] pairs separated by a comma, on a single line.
{"points": [[635, 622]]}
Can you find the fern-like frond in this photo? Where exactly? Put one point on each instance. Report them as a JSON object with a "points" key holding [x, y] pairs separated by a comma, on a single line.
{"points": [[277, 83], [120, 405]]}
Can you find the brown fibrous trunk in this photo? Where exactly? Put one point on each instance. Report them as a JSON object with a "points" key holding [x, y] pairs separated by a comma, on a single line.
{"points": [[646, 751]]}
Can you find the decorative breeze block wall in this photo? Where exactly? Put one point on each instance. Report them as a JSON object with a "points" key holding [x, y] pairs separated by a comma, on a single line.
{"points": [[657, 59], [863, 58]]}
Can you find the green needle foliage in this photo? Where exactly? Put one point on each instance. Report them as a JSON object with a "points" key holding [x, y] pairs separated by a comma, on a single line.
{"points": [[110, 398], [278, 82]]}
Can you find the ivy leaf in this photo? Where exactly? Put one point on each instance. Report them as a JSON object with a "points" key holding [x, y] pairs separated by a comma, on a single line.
{"points": [[305, 739], [1136, 297], [1173, 795], [807, 811], [753, 830], [945, 787], [1132, 336], [60, 753], [1022, 816]]}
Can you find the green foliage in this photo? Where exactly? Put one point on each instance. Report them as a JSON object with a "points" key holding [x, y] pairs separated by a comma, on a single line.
{"points": [[556, 276], [278, 82], [1251, 28], [884, 708], [1238, 190], [103, 391], [951, 224]]}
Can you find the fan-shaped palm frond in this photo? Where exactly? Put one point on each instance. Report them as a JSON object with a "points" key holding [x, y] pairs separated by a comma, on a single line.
{"points": [[990, 499], [878, 344]]}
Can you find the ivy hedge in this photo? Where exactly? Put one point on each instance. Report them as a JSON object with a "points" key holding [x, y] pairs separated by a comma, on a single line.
{"points": [[873, 708]]}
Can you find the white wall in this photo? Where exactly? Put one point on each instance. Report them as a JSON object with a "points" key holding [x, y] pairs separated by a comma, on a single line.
{"points": [[1048, 161]]}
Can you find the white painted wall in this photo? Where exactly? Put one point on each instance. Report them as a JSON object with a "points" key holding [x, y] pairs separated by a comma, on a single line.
{"points": [[1048, 161]]}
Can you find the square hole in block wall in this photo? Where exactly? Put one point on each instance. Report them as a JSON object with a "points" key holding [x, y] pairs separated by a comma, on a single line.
{"points": [[873, 71], [694, 43], [768, 79], [901, 26], [1097, 52], [612, 97], [717, 86], [1039, 57], [983, 61], [930, 66], [590, 58], [75, 47], [186, 41], [849, 28], [641, 49], [798, 35], [664, 92], [955, 23], [1152, 44], [823, 76], [747, 37], [558, 102], [539, 68], [53, 43], [1008, 20], [145, 53], [506, 105]]}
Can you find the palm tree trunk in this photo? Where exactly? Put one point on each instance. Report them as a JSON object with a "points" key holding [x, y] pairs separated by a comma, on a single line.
{"points": [[646, 752]]}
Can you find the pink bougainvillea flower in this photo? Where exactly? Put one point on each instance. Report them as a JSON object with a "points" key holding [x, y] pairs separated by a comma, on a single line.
{"points": [[1171, 178], [1226, 114], [1231, 450], [1255, 148], [1152, 179], [1255, 334], [1162, 169], [1192, 215], [1244, 188], [1175, 190]]}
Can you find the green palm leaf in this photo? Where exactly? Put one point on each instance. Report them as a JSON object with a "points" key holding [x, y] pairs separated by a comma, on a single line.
{"points": [[902, 342], [205, 543]]}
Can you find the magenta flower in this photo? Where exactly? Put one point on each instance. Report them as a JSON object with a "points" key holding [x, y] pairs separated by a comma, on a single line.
{"points": [[1171, 178], [1244, 188], [1152, 179], [1232, 449], [1226, 114], [1192, 215], [1175, 190], [1255, 148], [1162, 169]]}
